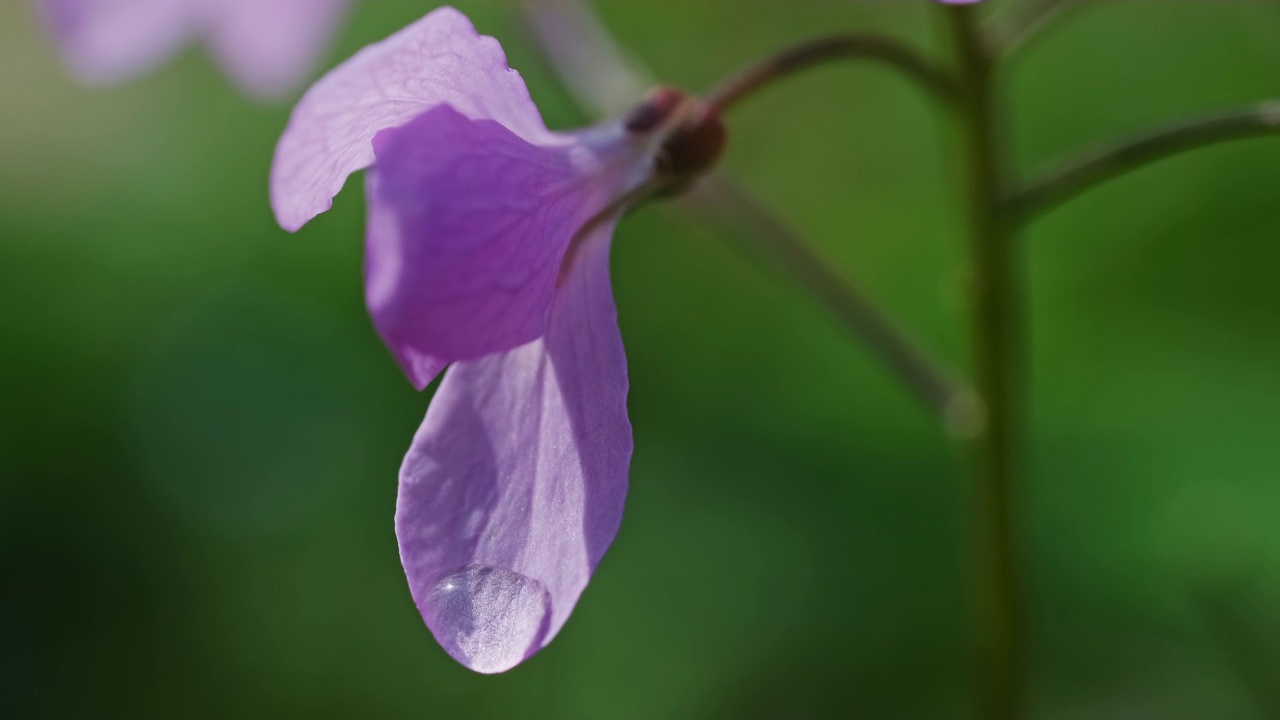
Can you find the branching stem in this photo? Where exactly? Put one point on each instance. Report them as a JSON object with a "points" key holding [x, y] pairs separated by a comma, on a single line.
{"points": [[604, 79], [1075, 176], [848, 46]]}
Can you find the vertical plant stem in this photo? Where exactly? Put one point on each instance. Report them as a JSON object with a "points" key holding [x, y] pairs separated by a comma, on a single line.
{"points": [[995, 300]]}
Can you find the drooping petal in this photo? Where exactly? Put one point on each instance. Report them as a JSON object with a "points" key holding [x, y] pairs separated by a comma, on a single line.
{"points": [[440, 59], [514, 485], [269, 46], [107, 41], [467, 226]]}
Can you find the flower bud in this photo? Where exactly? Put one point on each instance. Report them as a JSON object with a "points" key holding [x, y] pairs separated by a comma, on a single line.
{"points": [[689, 135]]}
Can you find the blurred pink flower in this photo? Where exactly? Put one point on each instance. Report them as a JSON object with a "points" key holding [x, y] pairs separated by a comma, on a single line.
{"points": [[267, 46]]}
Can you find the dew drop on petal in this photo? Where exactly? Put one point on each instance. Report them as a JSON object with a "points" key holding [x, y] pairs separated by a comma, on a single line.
{"points": [[487, 618]]}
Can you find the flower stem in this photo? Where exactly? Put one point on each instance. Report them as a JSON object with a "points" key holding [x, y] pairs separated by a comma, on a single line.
{"points": [[995, 299], [935, 386], [846, 46], [1075, 176]]}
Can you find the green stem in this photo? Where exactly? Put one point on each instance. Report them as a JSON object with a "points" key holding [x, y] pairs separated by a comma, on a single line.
{"points": [[1065, 181], [1001, 644], [823, 50], [933, 384]]}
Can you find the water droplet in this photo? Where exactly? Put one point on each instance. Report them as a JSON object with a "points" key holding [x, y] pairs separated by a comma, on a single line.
{"points": [[486, 617]]}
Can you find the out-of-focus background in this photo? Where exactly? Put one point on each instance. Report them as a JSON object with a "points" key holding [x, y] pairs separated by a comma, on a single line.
{"points": [[200, 432]]}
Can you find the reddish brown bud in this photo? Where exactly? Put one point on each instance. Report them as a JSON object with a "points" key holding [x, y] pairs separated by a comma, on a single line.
{"points": [[694, 148], [689, 135]]}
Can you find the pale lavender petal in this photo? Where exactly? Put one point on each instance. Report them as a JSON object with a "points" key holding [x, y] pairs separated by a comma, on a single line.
{"points": [[106, 41], [514, 485], [269, 46], [467, 226], [438, 60]]}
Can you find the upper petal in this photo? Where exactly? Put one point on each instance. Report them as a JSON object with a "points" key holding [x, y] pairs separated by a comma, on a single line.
{"points": [[514, 485], [269, 46], [467, 226], [440, 59], [105, 41]]}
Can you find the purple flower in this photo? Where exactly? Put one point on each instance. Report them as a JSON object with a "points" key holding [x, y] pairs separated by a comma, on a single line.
{"points": [[487, 248], [266, 46]]}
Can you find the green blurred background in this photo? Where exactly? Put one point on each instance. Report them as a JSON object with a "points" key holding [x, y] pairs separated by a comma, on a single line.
{"points": [[200, 432]]}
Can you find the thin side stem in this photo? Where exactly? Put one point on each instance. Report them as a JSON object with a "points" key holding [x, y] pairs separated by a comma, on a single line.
{"points": [[850, 46], [935, 386], [1000, 623], [1068, 179]]}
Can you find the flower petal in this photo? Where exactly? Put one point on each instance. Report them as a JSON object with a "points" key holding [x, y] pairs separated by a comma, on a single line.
{"points": [[438, 60], [107, 41], [269, 46], [382, 272], [467, 227], [514, 485]]}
